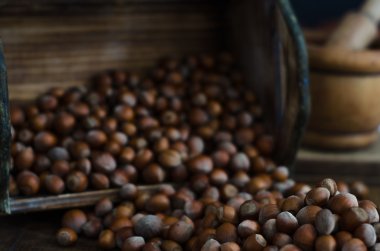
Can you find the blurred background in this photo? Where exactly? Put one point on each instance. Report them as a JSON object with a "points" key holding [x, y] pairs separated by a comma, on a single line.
{"points": [[314, 13]]}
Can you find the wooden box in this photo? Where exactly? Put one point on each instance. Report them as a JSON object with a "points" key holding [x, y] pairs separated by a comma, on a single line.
{"points": [[64, 42]]}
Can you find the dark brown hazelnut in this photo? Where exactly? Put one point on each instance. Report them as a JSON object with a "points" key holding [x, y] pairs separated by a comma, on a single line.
{"points": [[66, 237], [286, 222], [60, 168], [330, 185], [107, 239], [76, 182], [74, 219], [267, 212], [352, 218], [354, 245], [305, 236], [307, 214], [247, 228], [104, 162], [318, 196], [366, 233], [325, 222], [200, 164], [99, 181], [180, 231], [325, 243], [28, 183], [103, 207], [96, 138], [153, 174], [148, 226], [43, 141], [254, 242], [92, 228], [24, 159], [54, 184]]}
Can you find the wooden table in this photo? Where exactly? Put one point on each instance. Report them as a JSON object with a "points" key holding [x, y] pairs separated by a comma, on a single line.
{"points": [[36, 232]]}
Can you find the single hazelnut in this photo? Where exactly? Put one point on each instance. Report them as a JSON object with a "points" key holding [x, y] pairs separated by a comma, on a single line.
{"points": [[92, 228], [123, 234], [286, 222], [180, 231], [24, 159], [269, 229], [307, 214], [76, 182], [54, 184], [119, 223], [148, 226], [247, 228], [200, 164], [255, 242], [341, 202], [103, 207], [106, 239], [325, 222], [371, 210], [74, 219], [267, 212], [292, 204], [341, 238], [281, 239], [325, 243], [318, 196], [28, 183], [226, 232], [128, 191], [366, 233], [354, 245], [99, 181], [44, 140], [352, 218], [211, 245], [66, 237], [330, 185], [305, 236], [230, 246]]}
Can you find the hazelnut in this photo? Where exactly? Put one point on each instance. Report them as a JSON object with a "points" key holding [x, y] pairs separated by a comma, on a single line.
{"points": [[330, 185], [341, 238], [247, 228], [292, 204], [230, 246], [200, 164], [269, 229], [123, 234], [157, 203], [180, 231], [227, 214], [325, 222], [170, 158], [280, 174], [352, 218], [74, 219], [341, 202], [366, 233], [148, 226], [153, 174], [226, 233], [211, 245], [255, 242], [118, 223], [99, 181], [168, 245], [281, 239], [305, 236], [128, 191], [325, 243], [103, 207], [43, 141], [76, 182], [371, 210], [104, 162], [354, 245], [24, 159], [267, 212], [28, 183], [66, 237], [54, 184], [290, 247], [318, 196], [107, 239], [286, 222], [359, 189], [92, 228], [307, 214]]}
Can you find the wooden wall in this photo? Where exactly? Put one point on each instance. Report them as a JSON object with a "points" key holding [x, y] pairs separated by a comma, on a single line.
{"points": [[63, 43]]}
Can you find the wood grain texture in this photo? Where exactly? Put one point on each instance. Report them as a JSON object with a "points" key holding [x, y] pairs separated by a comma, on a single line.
{"points": [[55, 43]]}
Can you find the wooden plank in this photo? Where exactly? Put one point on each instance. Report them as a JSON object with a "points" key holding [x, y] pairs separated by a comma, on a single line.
{"points": [[364, 164], [27, 205]]}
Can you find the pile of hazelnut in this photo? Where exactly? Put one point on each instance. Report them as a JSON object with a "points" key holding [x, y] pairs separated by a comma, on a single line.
{"points": [[190, 122], [320, 219]]}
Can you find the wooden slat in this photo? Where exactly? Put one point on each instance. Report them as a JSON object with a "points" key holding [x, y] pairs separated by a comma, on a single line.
{"points": [[57, 44], [26, 205]]}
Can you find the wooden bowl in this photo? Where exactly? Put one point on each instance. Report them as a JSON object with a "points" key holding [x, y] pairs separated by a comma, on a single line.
{"points": [[345, 91]]}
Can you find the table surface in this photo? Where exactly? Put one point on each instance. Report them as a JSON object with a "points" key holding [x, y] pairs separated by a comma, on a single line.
{"points": [[36, 232]]}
